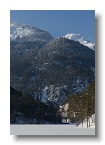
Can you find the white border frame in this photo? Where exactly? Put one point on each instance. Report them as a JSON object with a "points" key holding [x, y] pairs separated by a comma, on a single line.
{"points": [[5, 7], [50, 129]]}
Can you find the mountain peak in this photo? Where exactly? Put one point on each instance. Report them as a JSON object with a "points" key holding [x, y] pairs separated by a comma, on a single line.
{"points": [[79, 38], [72, 35], [24, 32]]}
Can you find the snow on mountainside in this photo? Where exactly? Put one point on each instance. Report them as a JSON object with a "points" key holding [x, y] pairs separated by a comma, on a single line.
{"points": [[25, 32], [79, 38], [48, 68], [20, 30]]}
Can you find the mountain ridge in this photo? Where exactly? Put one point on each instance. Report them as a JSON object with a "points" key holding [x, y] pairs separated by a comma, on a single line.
{"points": [[20, 31], [82, 40], [51, 69]]}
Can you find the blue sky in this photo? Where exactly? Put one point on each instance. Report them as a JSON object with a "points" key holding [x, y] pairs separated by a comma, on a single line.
{"points": [[58, 22]]}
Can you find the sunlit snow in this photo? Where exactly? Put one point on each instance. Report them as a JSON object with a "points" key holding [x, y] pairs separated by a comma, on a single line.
{"points": [[79, 38]]}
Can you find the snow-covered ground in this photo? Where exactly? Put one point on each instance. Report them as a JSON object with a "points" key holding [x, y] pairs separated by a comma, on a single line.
{"points": [[50, 130], [92, 125], [55, 129]]}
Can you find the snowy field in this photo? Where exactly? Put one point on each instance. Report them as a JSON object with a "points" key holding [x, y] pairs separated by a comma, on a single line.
{"points": [[92, 125], [52, 130]]}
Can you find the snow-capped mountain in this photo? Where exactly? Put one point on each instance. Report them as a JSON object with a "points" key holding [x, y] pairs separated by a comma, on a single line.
{"points": [[48, 68], [79, 38], [25, 32], [45, 72]]}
